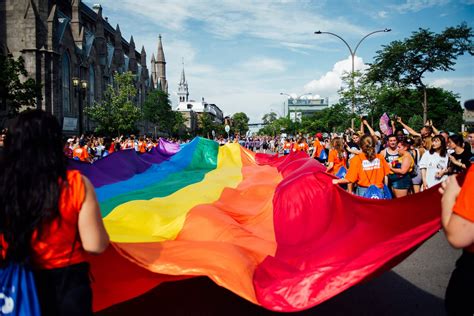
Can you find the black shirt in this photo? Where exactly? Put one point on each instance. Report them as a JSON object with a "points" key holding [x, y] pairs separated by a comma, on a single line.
{"points": [[465, 157]]}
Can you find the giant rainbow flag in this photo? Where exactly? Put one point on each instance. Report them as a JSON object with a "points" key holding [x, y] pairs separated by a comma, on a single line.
{"points": [[273, 230]]}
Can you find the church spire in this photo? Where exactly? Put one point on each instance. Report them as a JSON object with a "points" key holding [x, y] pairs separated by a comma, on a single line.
{"points": [[160, 57], [183, 91], [183, 76], [160, 68]]}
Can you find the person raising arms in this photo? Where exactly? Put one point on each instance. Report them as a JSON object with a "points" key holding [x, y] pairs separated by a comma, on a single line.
{"points": [[49, 216]]}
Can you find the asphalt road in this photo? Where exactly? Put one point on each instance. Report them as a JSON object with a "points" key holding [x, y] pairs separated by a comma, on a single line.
{"points": [[414, 287]]}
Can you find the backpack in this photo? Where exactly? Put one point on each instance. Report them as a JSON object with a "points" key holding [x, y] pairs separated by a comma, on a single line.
{"points": [[373, 193], [323, 155], [18, 294], [341, 173]]}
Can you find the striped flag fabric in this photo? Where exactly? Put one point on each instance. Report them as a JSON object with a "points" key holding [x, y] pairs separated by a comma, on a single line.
{"points": [[273, 230]]}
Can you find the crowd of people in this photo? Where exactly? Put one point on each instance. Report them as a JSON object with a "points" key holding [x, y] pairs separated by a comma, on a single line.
{"points": [[405, 161], [50, 217]]}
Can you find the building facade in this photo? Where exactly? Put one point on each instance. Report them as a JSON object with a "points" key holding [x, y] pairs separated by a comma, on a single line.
{"points": [[305, 106], [192, 110], [73, 51]]}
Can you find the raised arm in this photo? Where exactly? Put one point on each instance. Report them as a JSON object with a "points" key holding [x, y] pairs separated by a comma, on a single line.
{"points": [[371, 130], [408, 128]]}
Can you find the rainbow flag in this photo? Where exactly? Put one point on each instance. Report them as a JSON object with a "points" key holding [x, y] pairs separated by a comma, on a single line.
{"points": [[273, 230]]}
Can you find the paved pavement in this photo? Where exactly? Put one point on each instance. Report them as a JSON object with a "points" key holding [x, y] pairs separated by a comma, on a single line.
{"points": [[415, 287]]}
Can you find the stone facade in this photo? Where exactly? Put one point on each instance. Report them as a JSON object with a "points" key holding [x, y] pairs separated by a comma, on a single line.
{"points": [[74, 52]]}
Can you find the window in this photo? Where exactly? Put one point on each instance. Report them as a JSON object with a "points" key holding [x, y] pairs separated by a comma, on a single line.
{"points": [[66, 84], [91, 85]]}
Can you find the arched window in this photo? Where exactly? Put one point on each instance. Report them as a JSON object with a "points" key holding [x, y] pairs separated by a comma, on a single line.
{"points": [[91, 85], [66, 83]]}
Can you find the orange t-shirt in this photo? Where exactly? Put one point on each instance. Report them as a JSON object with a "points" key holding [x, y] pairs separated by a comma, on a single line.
{"points": [[318, 148], [141, 147], [465, 202], [302, 147], [80, 153], [366, 172], [338, 162], [53, 248]]}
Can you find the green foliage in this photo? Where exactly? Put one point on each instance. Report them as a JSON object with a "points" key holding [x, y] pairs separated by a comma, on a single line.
{"points": [[269, 118], [116, 113], [403, 64], [206, 125], [240, 123], [157, 109], [416, 122], [453, 122], [335, 118], [15, 92]]}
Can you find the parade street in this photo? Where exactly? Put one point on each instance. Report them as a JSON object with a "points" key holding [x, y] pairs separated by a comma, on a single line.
{"points": [[414, 287]]}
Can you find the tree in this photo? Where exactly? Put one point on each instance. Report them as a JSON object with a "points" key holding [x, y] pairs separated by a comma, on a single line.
{"points": [[405, 63], [157, 110], [240, 122], [116, 113], [205, 125], [15, 92], [269, 118], [178, 122]]}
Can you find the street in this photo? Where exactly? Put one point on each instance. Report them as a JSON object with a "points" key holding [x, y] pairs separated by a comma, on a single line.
{"points": [[414, 287]]}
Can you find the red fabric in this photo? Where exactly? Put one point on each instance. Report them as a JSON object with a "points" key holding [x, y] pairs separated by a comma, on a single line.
{"points": [[116, 279], [329, 240]]}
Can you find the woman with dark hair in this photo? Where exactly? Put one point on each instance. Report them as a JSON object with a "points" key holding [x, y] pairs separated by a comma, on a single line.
{"points": [[49, 216], [434, 163], [366, 168], [459, 159], [401, 168]]}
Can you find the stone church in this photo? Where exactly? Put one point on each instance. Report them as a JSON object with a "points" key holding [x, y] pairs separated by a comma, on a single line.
{"points": [[73, 51]]}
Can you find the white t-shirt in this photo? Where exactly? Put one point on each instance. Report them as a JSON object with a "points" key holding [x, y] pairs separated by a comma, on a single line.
{"points": [[433, 163]]}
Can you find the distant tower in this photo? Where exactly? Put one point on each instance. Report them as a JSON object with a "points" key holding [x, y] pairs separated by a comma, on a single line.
{"points": [[183, 91], [158, 67]]}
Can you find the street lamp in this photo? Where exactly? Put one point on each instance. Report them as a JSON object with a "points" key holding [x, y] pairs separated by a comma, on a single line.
{"points": [[290, 97], [80, 89], [353, 52]]}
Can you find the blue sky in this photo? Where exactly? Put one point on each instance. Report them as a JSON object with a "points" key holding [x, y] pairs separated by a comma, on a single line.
{"points": [[241, 54]]}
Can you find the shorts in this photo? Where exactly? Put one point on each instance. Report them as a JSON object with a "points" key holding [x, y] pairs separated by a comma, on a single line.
{"points": [[400, 183]]}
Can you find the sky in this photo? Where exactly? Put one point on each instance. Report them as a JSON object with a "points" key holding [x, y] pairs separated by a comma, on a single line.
{"points": [[240, 55]]}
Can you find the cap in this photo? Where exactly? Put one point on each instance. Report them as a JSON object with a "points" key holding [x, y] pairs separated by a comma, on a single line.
{"points": [[319, 136], [70, 140], [377, 133]]}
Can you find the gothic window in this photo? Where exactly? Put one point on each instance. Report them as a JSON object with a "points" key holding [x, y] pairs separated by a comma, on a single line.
{"points": [[91, 85], [66, 84]]}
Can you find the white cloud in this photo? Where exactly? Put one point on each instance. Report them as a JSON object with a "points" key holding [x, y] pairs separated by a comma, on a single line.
{"points": [[274, 21], [451, 83], [262, 65], [329, 83], [417, 5], [382, 14]]}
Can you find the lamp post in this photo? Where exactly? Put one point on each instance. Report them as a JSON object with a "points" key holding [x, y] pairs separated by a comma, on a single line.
{"points": [[80, 89], [353, 52], [290, 97]]}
